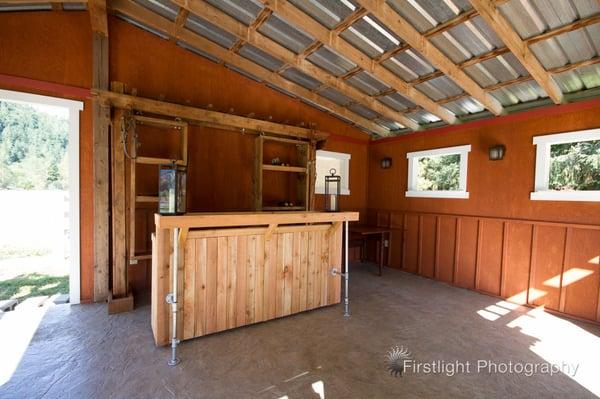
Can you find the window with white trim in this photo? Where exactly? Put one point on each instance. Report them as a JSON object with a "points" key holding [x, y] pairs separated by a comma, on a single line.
{"points": [[567, 166], [438, 173], [327, 160]]}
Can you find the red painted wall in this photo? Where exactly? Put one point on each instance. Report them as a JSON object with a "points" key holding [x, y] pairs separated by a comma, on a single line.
{"points": [[50, 53]]}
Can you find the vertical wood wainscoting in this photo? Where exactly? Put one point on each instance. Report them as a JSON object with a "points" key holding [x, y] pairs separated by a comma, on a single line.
{"points": [[555, 265], [231, 277]]}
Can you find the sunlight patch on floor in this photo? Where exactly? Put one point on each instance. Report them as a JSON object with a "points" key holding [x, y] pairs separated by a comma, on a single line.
{"points": [[16, 331], [560, 342]]}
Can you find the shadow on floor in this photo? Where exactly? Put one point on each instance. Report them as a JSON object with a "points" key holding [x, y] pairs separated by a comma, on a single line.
{"points": [[80, 351]]}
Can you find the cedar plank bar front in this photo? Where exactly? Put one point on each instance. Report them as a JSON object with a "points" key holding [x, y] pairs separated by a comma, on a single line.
{"points": [[237, 269]]}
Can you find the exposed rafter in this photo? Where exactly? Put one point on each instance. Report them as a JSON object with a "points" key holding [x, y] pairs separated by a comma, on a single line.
{"points": [[147, 17], [300, 19], [494, 18], [180, 21], [255, 38], [416, 40], [98, 19]]}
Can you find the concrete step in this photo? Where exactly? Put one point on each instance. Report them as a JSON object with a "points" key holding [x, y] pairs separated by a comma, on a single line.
{"points": [[8, 305], [33, 302]]}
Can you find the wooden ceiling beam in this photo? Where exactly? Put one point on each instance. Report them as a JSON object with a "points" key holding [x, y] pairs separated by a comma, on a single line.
{"points": [[98, 18], [297, 17], [494, 18], [397, 24], [179, 25], [147, 17], [578, 24], [199, 115], [349, 20], [290, 59]]}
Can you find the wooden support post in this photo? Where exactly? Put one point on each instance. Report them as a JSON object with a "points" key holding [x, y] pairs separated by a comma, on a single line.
{"points": [[119, 213], [101, 120]]}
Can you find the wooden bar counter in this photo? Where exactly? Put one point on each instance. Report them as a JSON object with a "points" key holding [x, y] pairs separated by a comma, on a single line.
{"points": [[237, 269]]}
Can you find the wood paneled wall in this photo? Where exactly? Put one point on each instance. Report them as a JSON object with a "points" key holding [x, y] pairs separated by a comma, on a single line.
{"points": [[528, 262]]}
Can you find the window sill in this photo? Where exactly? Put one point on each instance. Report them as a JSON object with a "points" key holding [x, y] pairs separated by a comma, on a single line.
{"points": [[590, 196], [438, 194]]}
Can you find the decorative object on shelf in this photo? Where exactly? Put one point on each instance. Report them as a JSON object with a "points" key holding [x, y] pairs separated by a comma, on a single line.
{"points": [[386, 163], [497, 152], [172, 189], [333, 185], [286, 204], [276, 161]]}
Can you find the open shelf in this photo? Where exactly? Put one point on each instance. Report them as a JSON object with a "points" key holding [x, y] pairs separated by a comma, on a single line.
{"points": [[283, 208], [279, 168], [146, 198], [157, 161]]}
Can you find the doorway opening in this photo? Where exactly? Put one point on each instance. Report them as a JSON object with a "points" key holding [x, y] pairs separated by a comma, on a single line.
{"points": [[39, 198]]}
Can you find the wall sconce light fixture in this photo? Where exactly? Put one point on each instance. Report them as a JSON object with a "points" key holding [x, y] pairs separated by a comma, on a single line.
{"points": [[386, 163], [497, 152]]}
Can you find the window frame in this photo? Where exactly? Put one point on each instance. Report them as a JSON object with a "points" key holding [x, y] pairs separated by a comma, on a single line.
{"points": [[413, 173], [344, 173], [542, 167]]}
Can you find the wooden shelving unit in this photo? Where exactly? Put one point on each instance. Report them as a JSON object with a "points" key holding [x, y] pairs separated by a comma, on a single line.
{"points": [[149, 203], [299, 156]]}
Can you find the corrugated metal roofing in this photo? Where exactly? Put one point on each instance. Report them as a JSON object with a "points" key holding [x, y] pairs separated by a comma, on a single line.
{"points": [[461, 42], [244, 11], [301, 78], [331, 61], [210, 31], [397, 102], [260, 57], [440, 88], [285, 34], [327, 12], [335, 96], [143, 26], [198, 51], [370, 36], [423, 117], [363, 111], [25, 7], [367, 83], [465, 106], [162, 7], [74, 6]]}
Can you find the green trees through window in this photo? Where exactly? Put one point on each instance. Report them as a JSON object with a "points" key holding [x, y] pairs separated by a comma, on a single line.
{"points": [[33, 148], [439, 173], [575, 166]]}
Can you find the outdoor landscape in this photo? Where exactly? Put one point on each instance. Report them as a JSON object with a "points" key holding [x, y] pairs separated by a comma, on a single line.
{"points": [[33, 202]]}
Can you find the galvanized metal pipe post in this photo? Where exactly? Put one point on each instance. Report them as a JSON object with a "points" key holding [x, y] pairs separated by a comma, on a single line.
{"points": [[172, 299], [346, 271]]}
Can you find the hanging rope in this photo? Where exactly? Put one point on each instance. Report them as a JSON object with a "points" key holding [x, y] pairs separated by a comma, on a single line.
{"points": [[127, 125]]}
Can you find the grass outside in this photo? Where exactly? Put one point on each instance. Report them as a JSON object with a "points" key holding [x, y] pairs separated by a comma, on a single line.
{"points": [[33, 284], [10, 252]]}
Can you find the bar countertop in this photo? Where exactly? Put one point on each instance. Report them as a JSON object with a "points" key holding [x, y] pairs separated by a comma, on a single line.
{"points": [[229, 219]]}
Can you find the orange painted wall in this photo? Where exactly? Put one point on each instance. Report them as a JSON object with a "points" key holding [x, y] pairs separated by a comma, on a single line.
{"points": [[496, 188], [56, 47], [498, 241]]}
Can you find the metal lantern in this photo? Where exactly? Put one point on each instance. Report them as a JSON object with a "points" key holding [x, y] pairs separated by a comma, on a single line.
{"points": [[332, 191], [172, 189]]}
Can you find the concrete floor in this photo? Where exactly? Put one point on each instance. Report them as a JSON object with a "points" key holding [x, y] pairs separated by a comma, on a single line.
{"points": [[81, 352]]}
